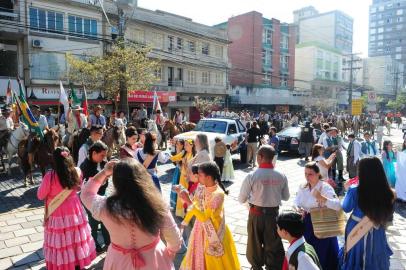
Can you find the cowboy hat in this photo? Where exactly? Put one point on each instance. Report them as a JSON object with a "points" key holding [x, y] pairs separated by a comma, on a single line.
{"points": [[97, 107], [332, 129], [76, 108]]}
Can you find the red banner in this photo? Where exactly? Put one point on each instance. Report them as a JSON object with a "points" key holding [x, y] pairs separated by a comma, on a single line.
{"points": [[148, 96]]}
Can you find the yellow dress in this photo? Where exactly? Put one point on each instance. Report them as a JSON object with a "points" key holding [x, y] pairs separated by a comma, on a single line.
{"points": [[197, 257], [180, 211]]}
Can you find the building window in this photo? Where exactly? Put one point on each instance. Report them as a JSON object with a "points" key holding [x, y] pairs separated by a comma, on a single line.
{"points": [[48, 66], [179, 44], [170, 43], [139, 36], [398, 49], [372, 31], [284, 80], [191, 76], [284, 60], [219, 78], [380, 37], [267, 77], [380, 30], [285, 42], [398, 56], [82, 26], [399, 19], [399, 27], [399, 12], [157, 40], [191, 46], [205, 48], [219, 51], [373, 9], [158, 73], [267, 57], [267, 36], [205, 77], [45, 20], [372, 38]]}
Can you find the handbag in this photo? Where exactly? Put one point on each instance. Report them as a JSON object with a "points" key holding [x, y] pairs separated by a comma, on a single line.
{"points": [[327, 222]]}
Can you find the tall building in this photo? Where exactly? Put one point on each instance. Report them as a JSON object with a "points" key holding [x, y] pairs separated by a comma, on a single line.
{"points": [[333, 28], [387, 29]]}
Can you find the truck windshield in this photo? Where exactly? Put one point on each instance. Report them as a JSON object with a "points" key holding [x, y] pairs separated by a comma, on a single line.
{"points": [[211, 126]]}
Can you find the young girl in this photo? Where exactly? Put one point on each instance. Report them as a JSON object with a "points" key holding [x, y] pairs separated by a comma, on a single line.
{"points": [[388, 160], [68, 243], [228, 168], [211, 244], [180, 153]]}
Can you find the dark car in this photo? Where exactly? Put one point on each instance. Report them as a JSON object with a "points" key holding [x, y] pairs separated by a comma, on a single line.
{"points": [[289, 139]]}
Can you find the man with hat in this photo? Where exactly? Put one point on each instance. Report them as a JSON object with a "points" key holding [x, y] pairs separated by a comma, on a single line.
{"points": [[6, 125], [142, 115], [50, 118], [96, 133], [97, 119], [333, 143], [41, 119], [76, 121]]}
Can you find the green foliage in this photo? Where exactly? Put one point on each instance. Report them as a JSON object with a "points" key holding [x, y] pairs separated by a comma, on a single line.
{"points": [[399, 103], [205, 105], [129, 63]]}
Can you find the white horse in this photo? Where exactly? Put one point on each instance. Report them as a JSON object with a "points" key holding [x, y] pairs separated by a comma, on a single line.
{"points": [[153, 128], [16, 137]]}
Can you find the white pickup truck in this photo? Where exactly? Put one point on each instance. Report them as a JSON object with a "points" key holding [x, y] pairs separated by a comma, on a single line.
{"points": [[231, 131]]}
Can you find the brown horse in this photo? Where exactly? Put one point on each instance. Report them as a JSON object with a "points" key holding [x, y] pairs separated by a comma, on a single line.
{"points": [[114, 138], [188, 126], [170, 127], [41, 154]]}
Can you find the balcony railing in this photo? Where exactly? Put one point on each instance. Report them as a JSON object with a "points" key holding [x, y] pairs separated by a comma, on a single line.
{"points": [[8, 14]]}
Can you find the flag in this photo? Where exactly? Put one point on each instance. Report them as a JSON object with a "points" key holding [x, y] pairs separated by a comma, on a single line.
{"points": [[156, 105], [74, 97], [84, 101], [26, 113], [63, 99], [9, 95]]}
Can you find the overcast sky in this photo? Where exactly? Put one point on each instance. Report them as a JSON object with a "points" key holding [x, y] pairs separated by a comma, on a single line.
{"points": [[211, 12]]}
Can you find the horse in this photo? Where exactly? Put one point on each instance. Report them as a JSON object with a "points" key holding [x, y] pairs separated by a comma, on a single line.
{"points": [[153, 128], [114, 138], [16, 136], [79, 138], [341, 125], [171, 128], [188, 126], [42, 154]]}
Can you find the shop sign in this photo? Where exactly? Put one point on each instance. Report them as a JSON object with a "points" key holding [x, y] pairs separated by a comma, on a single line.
{"points": [[46, 92], [356, 108], [148, 96]]}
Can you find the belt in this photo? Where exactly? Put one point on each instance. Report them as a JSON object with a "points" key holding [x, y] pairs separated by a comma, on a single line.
{"points": [[259, 210]]}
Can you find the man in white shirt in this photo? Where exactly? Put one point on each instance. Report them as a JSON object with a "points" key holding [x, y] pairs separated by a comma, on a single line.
{"points": [[96, 133]]}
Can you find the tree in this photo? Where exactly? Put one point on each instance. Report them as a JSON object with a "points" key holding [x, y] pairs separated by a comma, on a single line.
{"points": [[399, 103], [127, 64], [206, 105]]}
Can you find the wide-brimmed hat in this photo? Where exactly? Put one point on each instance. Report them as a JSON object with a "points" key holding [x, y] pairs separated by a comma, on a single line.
{"points": [[6, 110], [76, 108], [97, 107], [332, 129]]}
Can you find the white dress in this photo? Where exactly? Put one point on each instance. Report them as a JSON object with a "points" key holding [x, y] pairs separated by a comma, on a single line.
{"points": [[323, 170], [228, 168]]}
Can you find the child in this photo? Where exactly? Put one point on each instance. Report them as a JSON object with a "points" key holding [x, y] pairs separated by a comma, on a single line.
{"points": [[300, 255], [388, 161], [228, 170]]}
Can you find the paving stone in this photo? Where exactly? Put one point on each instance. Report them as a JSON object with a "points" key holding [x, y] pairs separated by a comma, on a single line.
{"points": [[2, 223], [39, 229], [25, 232], [25, 258], [40, 265], [16, 221], [2, 245], [31, 224], [32, 246], [5, 236], [8, 252], [6, 217], [36, 237], [5, 264], [35, 217], [17, 241], [24, 214], [10, 228]]}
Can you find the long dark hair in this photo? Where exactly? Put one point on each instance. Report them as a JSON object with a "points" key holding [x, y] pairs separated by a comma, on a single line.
{"points": [[64, 167], [315, 150], [182, 142], [136, 199], [211, 169], [385, 148], [97, 147], [149, 145], [375, 197]]}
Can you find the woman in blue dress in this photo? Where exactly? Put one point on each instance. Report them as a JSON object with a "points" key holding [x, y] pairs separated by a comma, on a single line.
{"points": [[180, 144], [374, 198], [388, 160], [149, 157]]}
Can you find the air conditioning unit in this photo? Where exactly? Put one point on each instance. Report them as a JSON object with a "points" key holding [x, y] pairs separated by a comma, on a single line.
{"points": [[37, 43]]}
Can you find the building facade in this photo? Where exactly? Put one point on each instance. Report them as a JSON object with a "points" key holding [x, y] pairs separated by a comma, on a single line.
{"points": [[387, 29], [261, 54], [334, 28]]}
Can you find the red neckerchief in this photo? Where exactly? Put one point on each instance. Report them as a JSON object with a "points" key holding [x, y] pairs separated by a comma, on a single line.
{"points": [[266, 166], [78, 120], [285, 261]]}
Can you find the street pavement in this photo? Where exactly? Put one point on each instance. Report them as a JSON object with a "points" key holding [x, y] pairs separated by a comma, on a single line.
{"points": [[21, 215]]}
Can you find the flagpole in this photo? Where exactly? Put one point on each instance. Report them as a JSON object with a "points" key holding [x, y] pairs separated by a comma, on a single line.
{"points": [[59, 104]]}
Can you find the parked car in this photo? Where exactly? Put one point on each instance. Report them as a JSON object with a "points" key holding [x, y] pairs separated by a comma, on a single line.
{"points": [[231, 131], [289, 139]]}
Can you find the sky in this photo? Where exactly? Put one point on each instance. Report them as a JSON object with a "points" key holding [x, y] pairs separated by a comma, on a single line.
{"points": [[212, 12]]}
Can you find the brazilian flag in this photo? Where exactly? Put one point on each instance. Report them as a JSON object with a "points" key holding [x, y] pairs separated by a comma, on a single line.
{"points": [[26, 113]]}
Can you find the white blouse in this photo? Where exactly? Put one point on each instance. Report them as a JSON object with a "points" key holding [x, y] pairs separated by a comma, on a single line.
{"points": [[306, 200], [323, 170]]}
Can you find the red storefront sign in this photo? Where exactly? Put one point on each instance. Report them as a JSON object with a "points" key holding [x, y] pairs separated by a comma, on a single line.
{"points": [[148, 96]]}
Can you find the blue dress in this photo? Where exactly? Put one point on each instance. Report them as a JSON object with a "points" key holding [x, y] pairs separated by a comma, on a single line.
{"points": [[376, 250], [151, 169], [389, 167], [175, 181]]}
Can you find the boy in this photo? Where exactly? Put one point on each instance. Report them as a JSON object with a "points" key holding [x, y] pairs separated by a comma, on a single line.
{"points": [[300, 255], [264, 189]]}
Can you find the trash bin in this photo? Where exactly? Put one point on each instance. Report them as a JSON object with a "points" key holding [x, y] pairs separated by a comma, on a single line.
{"points": [[243, 153]]}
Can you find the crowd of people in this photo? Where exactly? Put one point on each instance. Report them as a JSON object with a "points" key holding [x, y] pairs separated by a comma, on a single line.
{"points": [[138, 226]]}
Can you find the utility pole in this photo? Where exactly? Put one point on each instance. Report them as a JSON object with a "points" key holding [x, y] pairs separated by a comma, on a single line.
{"points": [[396, 78], [123, 103], [352, 60]]}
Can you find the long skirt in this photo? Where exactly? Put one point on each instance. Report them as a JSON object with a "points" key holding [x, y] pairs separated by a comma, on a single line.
{"points": [[326, 249], [175, 181]]}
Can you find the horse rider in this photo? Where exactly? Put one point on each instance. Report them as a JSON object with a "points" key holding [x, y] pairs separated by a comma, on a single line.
{"points": [[96, 118], [177, 119], [6, 125], [96, 133], [334, 143], [76, 121], [142, 115], [50, 118], [43, 125]]}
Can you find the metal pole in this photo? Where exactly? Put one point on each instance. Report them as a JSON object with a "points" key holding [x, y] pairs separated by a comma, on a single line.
{"points": [[350, 90], [396, 80], [123, 104]]}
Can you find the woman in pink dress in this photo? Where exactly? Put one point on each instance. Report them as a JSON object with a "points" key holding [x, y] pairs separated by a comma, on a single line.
{"points": [[135, 216], [68, 243]]}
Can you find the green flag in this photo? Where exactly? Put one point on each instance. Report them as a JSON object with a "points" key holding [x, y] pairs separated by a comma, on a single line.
{"points": [[75, 99]]}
